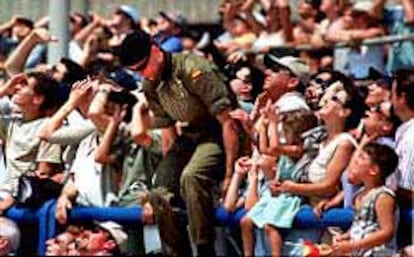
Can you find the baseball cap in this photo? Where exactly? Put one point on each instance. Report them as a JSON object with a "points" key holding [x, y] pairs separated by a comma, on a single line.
{"points": [[117, 233], [130, 11], [177, 18], [134, 48], [362, 6], [294, 64]]}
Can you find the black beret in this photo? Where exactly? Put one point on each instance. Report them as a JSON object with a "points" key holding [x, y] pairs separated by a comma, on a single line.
{"points": [[135, 47]]}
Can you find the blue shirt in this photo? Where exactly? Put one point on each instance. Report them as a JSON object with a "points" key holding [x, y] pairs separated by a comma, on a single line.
{"points": [[170, 44]]}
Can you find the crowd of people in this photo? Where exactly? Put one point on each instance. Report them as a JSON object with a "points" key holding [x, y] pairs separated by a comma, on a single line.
{"points": [[271, 117]]}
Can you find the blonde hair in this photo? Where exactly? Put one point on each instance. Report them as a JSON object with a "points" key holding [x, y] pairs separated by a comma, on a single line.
{"points": [[298, 121]]}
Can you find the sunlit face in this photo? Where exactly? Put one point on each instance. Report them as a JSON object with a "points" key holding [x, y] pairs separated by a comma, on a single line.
{"points": [[268, 165], [96, 241], [188, 43], [334, 105], [376, 94], [305, 10], [164, 25], [119, 19], [290, 137], [362, 164], [327, 6], [75, 24], [240, 87], [378, 119], [241, 84], [239, 28], [316, 88], [20, 31], [277, 79], [25, 94]]}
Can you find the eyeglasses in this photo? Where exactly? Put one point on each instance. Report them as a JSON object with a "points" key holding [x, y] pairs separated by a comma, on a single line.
{"points": [[337, 100], [377, 109], [323, 83], [280, 69]]}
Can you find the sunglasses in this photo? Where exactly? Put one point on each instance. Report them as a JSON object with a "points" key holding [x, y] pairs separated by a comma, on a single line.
{"points": [[280, 69], [337, 100], [323, 83], [377, 109]]}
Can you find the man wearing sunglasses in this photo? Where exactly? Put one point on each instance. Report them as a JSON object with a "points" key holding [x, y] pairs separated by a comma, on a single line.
{"points": [[285, 81], [188, 89]]}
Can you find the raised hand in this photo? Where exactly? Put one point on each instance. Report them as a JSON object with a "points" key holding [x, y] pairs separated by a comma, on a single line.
{"points": [[42, 35], [62, 207], [119, 113], [9, 87], [79, 92]]}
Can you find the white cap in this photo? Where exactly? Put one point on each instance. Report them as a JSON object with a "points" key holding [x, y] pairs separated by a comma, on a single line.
{"points": [[130, 11], [296, 65], [117, 233]]}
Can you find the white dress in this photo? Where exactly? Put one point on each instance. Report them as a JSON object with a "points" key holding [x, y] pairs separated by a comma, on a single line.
{"points": [[318, 168]]}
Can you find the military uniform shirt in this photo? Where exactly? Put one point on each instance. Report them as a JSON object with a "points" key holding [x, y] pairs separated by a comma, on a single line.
{"points": [[192, 91]]}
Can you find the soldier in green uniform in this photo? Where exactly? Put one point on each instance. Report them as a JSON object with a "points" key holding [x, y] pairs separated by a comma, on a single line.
{"points": [[190, 90]]}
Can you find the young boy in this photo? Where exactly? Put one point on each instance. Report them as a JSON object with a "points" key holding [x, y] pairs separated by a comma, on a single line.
{"points": [[373, 225]]}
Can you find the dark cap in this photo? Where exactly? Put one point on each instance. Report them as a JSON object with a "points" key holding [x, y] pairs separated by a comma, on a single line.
{"points": [[135, 47], [381, 79], [174, 17]]}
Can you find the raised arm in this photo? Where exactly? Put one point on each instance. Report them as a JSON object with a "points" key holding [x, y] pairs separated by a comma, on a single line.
{"points": [[16, 61], [409, 10], [377, 9], [252, 194], [140, 124], [329, 186], [8, 24], [284, 14], [256, 26], [78, 94], [64, 202], [231, 144], [103, 152], [241, 168], [96, 110], [86, 31]]}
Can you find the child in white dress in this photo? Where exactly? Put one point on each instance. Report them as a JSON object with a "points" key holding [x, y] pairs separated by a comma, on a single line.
{"points": [[277, 212]]}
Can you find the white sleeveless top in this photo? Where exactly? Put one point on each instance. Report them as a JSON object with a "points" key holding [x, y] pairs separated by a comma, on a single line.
{"points": [[317, 169]]}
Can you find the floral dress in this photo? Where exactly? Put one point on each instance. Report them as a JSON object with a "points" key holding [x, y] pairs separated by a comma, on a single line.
{"points": [[365, 222]]}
